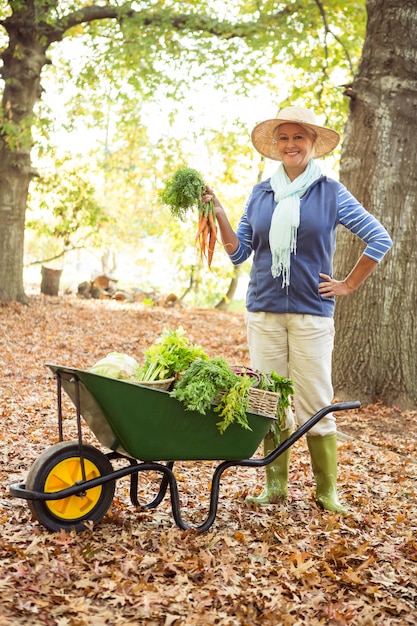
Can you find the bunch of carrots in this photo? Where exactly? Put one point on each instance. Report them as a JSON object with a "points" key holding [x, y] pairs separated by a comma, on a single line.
{"points": [[185, 191], [206, 236]]}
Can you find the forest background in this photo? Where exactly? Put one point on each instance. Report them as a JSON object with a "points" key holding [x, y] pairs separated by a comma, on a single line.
{"points": [[104, 149]]}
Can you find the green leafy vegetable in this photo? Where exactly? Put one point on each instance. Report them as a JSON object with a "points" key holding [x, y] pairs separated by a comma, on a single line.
{"points": [[202, 382], [117, 365], [170, 354], [210, 381], [234, 403], [207, 381]]}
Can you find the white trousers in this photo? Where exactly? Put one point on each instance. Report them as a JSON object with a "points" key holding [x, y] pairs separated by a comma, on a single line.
{"points": [[298, 347]]}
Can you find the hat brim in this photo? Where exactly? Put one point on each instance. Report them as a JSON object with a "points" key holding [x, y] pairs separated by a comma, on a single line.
{"points": [[263, 138]]}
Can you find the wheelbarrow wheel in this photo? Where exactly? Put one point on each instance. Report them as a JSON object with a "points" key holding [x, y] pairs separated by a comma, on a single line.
{"points": [[60, 467]]}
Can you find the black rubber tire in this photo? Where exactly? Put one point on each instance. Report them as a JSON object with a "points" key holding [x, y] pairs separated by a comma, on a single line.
{"points": [[68, 452]]}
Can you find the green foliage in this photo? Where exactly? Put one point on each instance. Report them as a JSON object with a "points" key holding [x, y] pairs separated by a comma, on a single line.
{"points": [[16, 136], [64, 208], [132, 167], [213, 380], [245, 43], [183, 191]]}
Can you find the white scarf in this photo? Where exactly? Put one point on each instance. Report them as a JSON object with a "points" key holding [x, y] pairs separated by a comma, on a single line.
{"points": [[286, 216]]}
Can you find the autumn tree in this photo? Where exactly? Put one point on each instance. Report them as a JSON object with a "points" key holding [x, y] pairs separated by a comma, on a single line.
{"points": [[377, 325]]}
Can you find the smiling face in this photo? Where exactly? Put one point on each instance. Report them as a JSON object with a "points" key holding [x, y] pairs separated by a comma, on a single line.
{"points": [[295, 148]]}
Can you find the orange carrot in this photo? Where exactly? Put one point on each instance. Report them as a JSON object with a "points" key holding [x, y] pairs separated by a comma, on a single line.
{"points": [[212, 238], [202, 222], [211, 245], [204, 241], [206, 234], [211, 221]]}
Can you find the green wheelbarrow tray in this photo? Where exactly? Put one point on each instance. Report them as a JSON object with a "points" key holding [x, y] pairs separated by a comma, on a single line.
{"points": [[148, 424]]}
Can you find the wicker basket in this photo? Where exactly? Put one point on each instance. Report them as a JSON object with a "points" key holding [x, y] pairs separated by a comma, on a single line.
{"points": [[163, 385], [263, 402]]}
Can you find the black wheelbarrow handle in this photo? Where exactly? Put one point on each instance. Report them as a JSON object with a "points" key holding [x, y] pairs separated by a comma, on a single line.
{"points": [[302, 430]]}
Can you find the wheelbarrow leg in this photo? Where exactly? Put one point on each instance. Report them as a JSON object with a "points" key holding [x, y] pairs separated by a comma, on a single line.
{"points": [[134, 484], [214, 500]]}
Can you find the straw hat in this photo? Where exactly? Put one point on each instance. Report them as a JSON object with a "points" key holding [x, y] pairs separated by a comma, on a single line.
{"points": [[264, 134]]}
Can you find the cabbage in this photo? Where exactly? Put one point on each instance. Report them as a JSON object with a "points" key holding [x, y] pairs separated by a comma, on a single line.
{"points": [[116, 365]]}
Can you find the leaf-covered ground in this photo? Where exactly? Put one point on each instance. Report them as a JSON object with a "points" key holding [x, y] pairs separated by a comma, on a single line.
{"points": [[283, 564]]}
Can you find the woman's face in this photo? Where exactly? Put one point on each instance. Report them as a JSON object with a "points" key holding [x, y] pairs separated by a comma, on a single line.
{"points": [[295, 148]]}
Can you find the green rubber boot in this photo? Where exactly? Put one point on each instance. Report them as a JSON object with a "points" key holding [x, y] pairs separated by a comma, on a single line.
{"points": [[276, 488], [323, 452]]}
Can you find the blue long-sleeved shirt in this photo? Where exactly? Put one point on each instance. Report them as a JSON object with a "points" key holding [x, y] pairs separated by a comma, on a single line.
{"points": [[325, 205]]}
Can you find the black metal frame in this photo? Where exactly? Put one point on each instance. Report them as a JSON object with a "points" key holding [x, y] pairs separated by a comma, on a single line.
{"points": [[166, 469]]}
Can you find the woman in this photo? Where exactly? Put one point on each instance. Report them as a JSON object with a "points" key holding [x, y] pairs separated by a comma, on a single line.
{"points": [[290, 224]]}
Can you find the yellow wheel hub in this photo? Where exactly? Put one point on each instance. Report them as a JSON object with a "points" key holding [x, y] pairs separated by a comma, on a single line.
{"points": [[65, 474]]}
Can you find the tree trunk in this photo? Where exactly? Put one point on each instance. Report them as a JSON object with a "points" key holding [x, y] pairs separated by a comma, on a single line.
{"points": [[376, 326], [32, 26], [50, 281], [23, 61], [224, 303]]}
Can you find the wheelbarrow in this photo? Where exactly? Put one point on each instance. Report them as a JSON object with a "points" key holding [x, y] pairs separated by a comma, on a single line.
{"points": [[146, 430]]}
